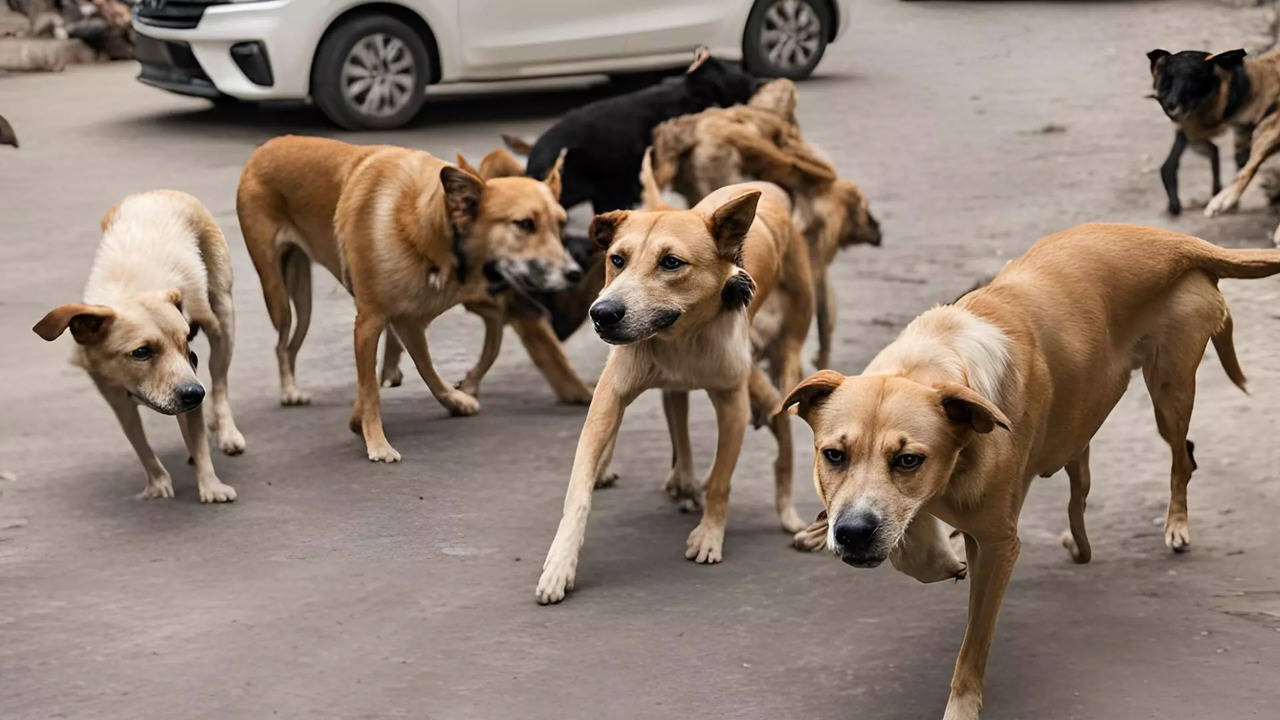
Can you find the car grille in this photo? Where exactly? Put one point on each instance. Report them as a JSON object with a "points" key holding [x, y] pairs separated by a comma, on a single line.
{"points": [[172, 13]]}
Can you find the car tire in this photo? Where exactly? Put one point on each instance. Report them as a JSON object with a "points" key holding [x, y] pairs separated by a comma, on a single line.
{"points": [[786, 38], [371, 73]]}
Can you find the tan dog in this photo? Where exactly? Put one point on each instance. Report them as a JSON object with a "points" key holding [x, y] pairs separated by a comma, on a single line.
{"points": [[681, 290], [161, 273], [954, 419], [760, 141], [408, 234]]}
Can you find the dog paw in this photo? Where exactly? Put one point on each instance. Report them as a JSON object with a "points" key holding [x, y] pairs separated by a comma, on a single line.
{"points": [[705, 543], [963, 707], [216, 492], [294, 396], [813, 538], [460, 403], [606, 480], [468, 386], [231, 442], [821, 361], [391, 377], [791, 521], [1223, 202], [1177, 533], [383, 453], [1069, 542], [684, 490], [557, 579], [161, 487]]}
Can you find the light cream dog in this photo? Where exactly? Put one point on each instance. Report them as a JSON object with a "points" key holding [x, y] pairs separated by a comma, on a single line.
{"points": [[954, 419], [408, 234], [161, 272], [681, 290]]}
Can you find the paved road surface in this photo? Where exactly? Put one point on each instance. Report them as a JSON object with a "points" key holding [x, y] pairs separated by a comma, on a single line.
{"points": [[337, 588]]}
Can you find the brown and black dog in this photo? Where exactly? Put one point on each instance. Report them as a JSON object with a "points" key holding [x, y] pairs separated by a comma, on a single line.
{"points": [[406, 233], [954, 419], [761, 141], [1204, 94], [682, 293]]}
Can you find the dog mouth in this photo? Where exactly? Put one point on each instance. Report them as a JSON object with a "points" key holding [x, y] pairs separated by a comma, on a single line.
{"points": [[619, 336], [162, 409]]}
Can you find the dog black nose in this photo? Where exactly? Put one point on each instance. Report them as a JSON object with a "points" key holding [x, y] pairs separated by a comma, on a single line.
{"points": [[855, 533], [573, 274], [607, 313], [190, 395]]}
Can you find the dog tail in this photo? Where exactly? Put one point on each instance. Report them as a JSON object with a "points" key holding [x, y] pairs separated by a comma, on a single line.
{"points": [[1226, 350], [795, 169], [518, 145], [1242, 264], [651, 193]]}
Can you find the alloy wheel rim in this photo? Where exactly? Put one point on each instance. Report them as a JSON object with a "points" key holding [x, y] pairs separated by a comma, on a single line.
{"points": [[790, 34], [378, 75]]}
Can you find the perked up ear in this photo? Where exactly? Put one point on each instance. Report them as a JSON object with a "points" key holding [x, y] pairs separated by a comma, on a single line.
{"points": [[605, 226], [1156, 56], [462, 192], [87, 322], [464, 165], [730, 222], [700, 56], [518, 145], [553, 178], [500, 163], [811, 392], [964, 406], [1229, 60]]}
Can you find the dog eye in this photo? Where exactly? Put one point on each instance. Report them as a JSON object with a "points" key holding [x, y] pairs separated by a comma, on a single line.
{"points": [[141, 353], [833, 456], [908, 462], [618, 261], [525, 224], [671, 262], [195, 361]]}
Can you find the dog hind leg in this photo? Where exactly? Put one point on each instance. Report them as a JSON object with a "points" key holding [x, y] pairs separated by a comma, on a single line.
{"points": [[764, 399], [1075, 540], [1171, 382]]}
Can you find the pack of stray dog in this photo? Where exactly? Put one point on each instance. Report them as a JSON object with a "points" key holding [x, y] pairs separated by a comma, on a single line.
{"points": [[938, 438]]}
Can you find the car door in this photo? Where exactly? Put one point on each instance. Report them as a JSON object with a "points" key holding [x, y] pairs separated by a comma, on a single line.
{"points": [[521, 37]]}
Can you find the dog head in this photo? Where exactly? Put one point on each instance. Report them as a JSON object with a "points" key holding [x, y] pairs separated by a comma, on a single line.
{"points": [[512, 225], [718, 82], [846, 207], [884, 445], [672, 271], [140, 346], [1189, 80]]}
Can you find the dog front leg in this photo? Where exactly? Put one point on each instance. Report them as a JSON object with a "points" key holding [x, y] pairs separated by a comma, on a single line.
{"points": [[1169, 171], [1266, 139], [193, 434], [221, 340], [366, 416], [539, 339], [733, 408], [598, 432], [1209, 150], [990, 573], [413, 335], [925, 551], [825, 316], [764, 399], [159, 485], [494, 321]]}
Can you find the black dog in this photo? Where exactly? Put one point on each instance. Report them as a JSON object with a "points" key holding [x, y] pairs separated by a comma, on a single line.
{"points": [[1202, 94], [604, 142]]}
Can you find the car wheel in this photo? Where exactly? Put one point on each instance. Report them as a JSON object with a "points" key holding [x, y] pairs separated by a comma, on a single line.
{"points": [[786, 38], [371, 72]]}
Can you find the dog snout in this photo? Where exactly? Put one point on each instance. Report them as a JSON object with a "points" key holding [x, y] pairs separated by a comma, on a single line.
{"points": [[607, 313], [572, 271], [189, 395], [855, 538], [874, 237]]}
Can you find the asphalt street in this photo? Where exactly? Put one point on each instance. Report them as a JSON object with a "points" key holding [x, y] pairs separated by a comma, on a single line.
{"points": [[334, 587]]}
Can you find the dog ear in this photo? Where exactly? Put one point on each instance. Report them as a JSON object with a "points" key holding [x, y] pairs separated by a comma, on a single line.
{"points": [[730, 222], [1155, 56], [553, 178], [87, 322], [811, 392], [462, 192], [500, 163], [174, 297], [518, 145], [1228, 60], [700, 56], [605, 226], [962, 405], [464, 165]]}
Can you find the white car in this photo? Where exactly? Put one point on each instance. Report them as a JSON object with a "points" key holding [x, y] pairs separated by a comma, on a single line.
{"points": [[367, 64]]}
